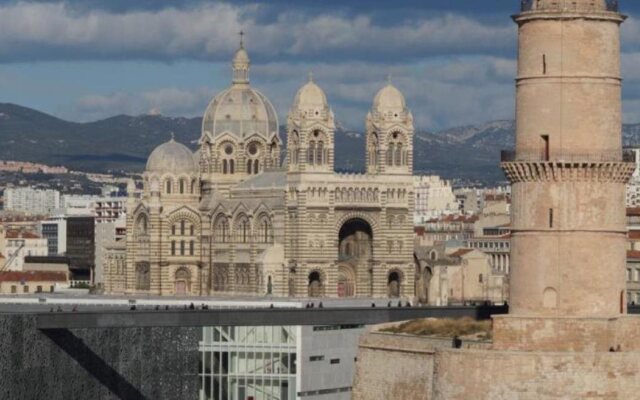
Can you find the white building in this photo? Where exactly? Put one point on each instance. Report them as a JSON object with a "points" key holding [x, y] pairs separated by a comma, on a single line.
{"points": [[107, 234], [433, 198], [104, 208], [18, 245], [54, 230], [30, 200], [633, 187]]}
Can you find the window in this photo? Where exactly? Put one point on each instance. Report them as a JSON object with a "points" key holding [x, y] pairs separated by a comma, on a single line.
{"points": [[173, 247], [335, 361], [182, 247], [25, 289], [191, 248], [316, 358], [191, 230], [51, 289], [182, 224], [480, 278], [168, 186], [39, 289], [173, 229], [181, 186], [14, 289]]}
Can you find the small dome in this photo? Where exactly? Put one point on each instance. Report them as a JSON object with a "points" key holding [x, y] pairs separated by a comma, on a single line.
{"points": [[172, 157], [389, 98], [310, 96], [241, 56]]}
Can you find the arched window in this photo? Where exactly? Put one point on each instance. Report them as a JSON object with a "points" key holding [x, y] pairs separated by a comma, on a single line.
{"points": [[141, 227], [225, 167], [249, 166], [182, 224], [319, 153], [193, 186], [181, 186], [173, 247], [398, 156], [143, 276], [192, 247], [231, 167], [173, 229], [242, 229], [191, 230], [311, 152], [167, 186], [182, 247], [265, 235], [390, 154], [256, 166], [315, 285], [221, 229]]}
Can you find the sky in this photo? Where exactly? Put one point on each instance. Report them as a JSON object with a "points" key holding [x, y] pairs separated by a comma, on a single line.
{"points": [[454, 60]]}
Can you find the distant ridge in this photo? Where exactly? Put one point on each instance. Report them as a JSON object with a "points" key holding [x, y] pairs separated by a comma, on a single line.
{"points": [[123, 142]]}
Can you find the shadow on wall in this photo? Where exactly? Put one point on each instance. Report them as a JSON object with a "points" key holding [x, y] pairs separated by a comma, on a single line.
{"points": [[93, 364]]}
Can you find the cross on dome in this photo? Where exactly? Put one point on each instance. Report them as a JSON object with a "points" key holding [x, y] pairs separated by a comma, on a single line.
{"points": [[241, 33]]}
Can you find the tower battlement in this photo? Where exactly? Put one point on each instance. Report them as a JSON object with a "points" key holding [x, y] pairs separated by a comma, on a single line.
{"points": [[569, 5]]}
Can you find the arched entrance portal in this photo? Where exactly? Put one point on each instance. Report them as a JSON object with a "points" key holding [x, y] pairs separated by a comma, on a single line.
{"points": [[182, 282], [393, 284], [315, 285], [346, 281], [355, 251]]}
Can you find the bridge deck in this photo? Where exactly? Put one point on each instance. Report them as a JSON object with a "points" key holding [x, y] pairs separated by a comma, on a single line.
{"points": [[254, 317]]}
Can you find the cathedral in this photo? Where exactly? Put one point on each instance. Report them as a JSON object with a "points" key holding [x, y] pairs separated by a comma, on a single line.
{"points": [[238, 218]]}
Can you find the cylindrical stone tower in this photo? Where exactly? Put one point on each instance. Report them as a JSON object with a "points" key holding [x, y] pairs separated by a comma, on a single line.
{"points": [[568, 174]]}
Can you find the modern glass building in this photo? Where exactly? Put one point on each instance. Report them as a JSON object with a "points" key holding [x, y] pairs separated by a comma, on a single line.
{"points": [[278, 362], [248, 363]]}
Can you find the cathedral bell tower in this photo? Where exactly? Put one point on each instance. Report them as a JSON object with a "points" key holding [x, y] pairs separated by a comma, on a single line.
{"points": [[310, 131], [389, 134]]}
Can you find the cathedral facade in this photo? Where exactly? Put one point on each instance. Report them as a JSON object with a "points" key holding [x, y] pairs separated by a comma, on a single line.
{"points": [[235, 218]]}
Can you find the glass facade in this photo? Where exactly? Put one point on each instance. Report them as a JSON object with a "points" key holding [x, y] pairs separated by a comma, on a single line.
{"points": [[248, 363]]}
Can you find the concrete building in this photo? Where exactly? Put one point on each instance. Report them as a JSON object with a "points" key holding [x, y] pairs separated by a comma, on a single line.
{"points": [[54, 230], [433, 198], [20, 244], [232, 219], [567, 334], [30, 200]]}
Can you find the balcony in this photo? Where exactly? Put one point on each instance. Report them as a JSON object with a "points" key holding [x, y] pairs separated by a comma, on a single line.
{"points": [[627, 155], [569, 5]]}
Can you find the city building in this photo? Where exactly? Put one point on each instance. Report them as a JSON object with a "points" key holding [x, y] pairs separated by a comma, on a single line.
{"points": [[433, 198], [633, 187], [81, 247], [30, 200], [496, 243], [103, 208], [633, 277], [54, 229], [106, 234], [231, 219], [20, 244], [458, 228], [458, 275], [25, 282]]}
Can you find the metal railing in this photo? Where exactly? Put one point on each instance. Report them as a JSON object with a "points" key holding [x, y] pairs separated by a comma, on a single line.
{"points": [[569, 5], [626, 155]]}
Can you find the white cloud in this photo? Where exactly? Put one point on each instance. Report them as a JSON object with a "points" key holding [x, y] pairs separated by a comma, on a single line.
{"points": [[46, 31]]}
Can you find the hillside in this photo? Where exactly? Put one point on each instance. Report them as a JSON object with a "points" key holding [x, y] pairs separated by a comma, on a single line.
{"points": [[468, 153]]}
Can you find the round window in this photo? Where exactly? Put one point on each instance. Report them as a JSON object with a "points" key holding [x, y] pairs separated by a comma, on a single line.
{"points": [[228, 149], [253, 149]]}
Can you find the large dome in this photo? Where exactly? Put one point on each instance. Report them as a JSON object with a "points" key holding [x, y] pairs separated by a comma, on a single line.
{"points": [[389, 98], [240, 110], [172, 157]]}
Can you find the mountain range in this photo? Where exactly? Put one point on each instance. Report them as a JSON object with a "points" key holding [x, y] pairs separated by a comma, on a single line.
{"points": [[467, 154]]}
